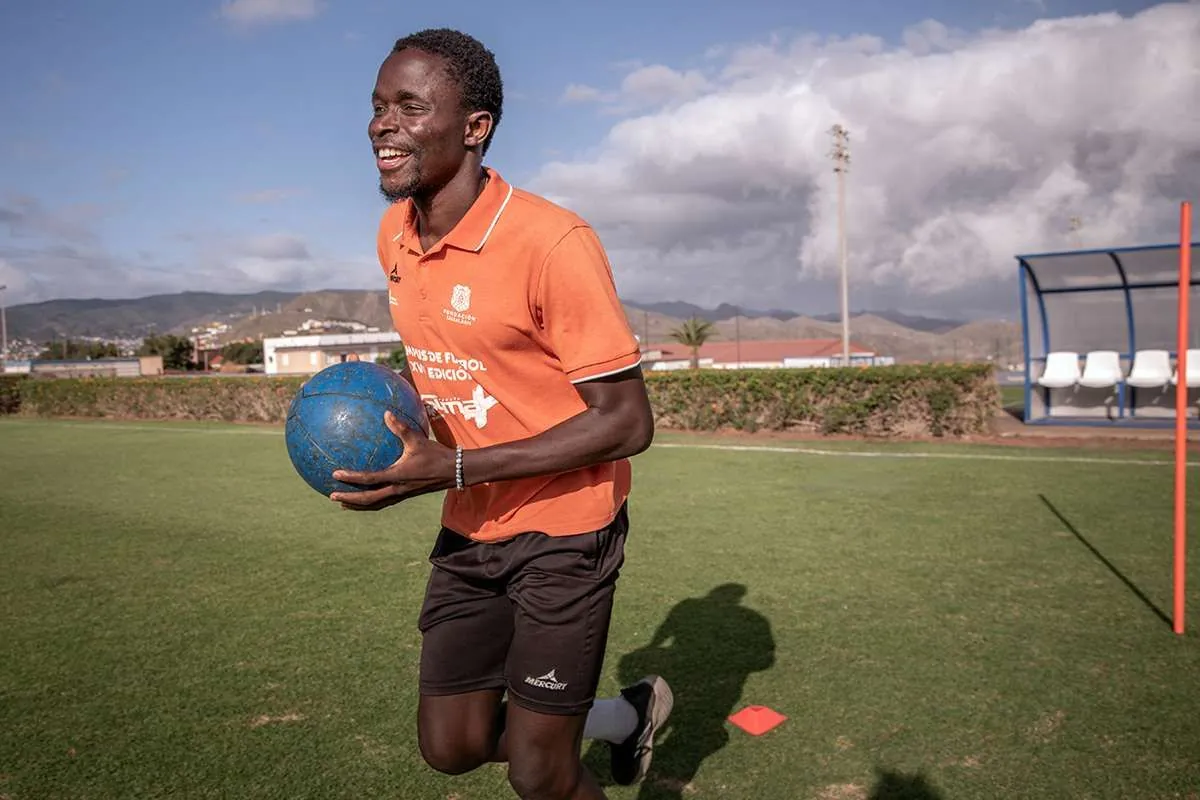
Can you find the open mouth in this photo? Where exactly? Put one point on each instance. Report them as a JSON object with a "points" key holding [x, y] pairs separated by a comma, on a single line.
{"points": [[389, 158]]}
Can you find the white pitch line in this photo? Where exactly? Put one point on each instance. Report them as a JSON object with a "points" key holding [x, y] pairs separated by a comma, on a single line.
{"points": [[810, 451], [802, 451]]}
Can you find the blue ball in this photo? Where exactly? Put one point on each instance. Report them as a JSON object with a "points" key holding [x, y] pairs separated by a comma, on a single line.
{"points": [[336, 422]]}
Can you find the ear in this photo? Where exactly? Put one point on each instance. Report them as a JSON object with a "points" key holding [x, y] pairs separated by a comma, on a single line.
{"points": [[479, 128]]}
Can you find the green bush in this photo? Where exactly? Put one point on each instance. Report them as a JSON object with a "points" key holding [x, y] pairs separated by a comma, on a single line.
{"points": [[903, 401], [921, 400], [228, 399], [10, 393]]}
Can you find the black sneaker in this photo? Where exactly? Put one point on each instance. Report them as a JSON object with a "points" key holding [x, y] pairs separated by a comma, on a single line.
{"points": [[652, 698]]}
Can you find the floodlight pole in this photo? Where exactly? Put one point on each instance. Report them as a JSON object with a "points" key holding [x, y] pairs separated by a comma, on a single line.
{"points": [[841, 165], [1181, 408]]}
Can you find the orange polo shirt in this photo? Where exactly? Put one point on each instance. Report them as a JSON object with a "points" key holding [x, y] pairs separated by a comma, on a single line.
{"points": [[500, 320]]}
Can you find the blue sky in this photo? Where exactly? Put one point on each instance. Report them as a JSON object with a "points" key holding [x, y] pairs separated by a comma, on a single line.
{"points": [[150, 145]]}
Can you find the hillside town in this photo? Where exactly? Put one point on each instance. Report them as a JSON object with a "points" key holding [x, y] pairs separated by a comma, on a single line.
{"points": [[322, 328]]}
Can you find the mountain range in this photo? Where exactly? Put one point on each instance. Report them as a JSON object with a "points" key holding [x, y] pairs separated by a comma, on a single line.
{"points": [[269, 313]]}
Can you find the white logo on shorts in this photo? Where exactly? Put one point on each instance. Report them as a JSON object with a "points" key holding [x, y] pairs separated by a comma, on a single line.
{"points": [[547, 681]]}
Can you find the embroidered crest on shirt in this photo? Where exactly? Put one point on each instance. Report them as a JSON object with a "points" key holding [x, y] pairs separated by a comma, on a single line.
{"points": [[460, 301]]}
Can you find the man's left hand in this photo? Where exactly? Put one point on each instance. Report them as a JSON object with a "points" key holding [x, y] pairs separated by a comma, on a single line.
{"points": [[425, 466]]}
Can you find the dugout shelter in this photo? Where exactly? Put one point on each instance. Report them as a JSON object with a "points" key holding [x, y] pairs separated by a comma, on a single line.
{"points": [[1100, 336]]}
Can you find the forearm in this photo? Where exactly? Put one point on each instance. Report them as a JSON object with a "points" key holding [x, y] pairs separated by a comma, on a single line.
{"points": [[593, 436]]}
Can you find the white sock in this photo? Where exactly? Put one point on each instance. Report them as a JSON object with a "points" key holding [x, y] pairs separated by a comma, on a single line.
{"points": [[611, 719]]}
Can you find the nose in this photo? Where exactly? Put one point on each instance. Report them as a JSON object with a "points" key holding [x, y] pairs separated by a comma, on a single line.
{"points": [[381, 123]]}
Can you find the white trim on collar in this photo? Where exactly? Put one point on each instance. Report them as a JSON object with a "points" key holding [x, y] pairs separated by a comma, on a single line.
{"points": [[495, 219]]}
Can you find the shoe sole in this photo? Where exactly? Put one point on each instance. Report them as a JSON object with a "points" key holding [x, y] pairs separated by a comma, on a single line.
{"points": [[662, 702]]}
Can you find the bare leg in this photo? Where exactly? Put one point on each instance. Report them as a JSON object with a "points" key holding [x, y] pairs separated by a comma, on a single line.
{"points": [[543, 756], [459, 732]]}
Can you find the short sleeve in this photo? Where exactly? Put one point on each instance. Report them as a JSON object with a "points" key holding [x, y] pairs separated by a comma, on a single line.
{"points": [[579, 312]]}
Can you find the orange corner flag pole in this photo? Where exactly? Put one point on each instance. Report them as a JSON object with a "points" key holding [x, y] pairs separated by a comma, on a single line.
{"points": [[1181, 407]]}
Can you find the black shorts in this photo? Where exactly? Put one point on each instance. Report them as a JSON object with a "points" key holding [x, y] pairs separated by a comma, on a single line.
{"points": [[529, 614]]}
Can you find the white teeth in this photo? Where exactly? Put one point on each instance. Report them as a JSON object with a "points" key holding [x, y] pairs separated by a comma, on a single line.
{"points": [[388, 152]]}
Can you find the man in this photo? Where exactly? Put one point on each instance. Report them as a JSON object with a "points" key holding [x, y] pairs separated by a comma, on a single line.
{"points": [[519, 346]]}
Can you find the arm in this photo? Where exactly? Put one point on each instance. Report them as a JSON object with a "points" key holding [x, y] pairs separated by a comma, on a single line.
{"points": [[582, 320], [617, 423]]}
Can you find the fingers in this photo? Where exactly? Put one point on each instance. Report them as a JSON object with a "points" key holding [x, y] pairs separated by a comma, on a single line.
{"points": [[363, 499], [376, 506], [405, 433], [361, 478]]}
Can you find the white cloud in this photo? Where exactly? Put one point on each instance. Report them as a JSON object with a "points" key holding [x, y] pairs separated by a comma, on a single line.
{"points": [[261, 12], [967, 148]]}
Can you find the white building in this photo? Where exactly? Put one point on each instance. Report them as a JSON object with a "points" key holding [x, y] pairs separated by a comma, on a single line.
{"points": [[299, 355], [759, 354]]}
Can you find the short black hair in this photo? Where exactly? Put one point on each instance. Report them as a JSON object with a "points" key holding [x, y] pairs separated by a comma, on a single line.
{"points": [[472, 66]]}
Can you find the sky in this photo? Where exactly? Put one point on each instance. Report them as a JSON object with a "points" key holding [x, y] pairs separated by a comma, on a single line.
{"points": [[220, 145]]}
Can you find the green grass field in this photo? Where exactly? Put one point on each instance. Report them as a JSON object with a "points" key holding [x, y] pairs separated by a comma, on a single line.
{"points": [[182, 618]]}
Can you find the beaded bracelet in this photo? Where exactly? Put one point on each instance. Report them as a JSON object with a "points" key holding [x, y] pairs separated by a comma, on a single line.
{"points": [[458, 467]]}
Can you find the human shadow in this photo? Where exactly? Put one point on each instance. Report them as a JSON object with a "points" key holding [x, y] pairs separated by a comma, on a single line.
{"points": [[706, 648], [891, 785], [1100, 556]]}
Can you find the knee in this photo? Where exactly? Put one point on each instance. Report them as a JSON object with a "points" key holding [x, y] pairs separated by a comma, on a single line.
{"points": [[453, 755], [545, 776]]}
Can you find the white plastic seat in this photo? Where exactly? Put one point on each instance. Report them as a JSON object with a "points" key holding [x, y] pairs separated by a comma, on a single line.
{"points": [[1193, 369], [1151, 369], [1101, 369], [1062, 370]]}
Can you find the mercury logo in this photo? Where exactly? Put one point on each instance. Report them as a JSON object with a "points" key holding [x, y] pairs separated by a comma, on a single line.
{"points": [[547, 681]]}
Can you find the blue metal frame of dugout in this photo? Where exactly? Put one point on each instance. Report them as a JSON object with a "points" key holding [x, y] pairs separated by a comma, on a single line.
{"points": [[1132, 272]]}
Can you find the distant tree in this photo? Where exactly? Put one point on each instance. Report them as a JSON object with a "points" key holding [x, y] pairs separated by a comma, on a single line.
{"points": [[693, 334], [70, 349], [176, 351], [395, 359], [243, 352]]}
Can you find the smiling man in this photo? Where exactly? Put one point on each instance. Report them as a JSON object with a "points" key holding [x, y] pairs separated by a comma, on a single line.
{"points": [[519, 346]]}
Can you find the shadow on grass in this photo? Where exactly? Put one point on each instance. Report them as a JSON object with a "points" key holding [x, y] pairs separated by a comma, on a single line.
{"points": [[1111, 567], [706, 648], [891, 785]]}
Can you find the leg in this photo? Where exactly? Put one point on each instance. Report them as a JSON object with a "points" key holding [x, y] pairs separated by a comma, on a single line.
{"points": [[544, 759], [563, 588], [466, 623], [459, 732]]}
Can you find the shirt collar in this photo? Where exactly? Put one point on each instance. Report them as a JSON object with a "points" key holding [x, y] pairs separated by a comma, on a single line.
{"points": [[473, 230]]}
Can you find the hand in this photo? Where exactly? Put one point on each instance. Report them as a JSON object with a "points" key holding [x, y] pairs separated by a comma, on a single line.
{"points": [[425, 466]]}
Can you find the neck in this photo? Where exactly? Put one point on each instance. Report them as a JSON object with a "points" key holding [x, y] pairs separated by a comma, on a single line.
{"points": [[439, 212]]}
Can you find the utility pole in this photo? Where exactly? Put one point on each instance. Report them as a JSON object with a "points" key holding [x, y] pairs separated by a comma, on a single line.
{"points": [[1076, 226], [3, 327], [737, 334], [841, 165]]}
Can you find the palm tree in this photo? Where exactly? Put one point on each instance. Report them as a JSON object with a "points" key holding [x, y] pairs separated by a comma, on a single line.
{"points": [[694, 333]]}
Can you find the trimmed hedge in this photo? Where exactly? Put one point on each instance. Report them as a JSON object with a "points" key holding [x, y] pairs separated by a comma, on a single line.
{"points": [[226, 399], [901, 401], [921, 400], [10, 393]]}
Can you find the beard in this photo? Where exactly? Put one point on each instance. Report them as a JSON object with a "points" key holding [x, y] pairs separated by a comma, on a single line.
{"points": [[406, 189]]}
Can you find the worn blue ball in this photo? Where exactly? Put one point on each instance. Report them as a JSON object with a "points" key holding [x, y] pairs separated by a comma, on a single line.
{"points": [[336, 422]]}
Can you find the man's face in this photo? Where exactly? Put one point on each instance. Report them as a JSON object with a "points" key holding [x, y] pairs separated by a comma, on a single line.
{"points": [[418, 128]]}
